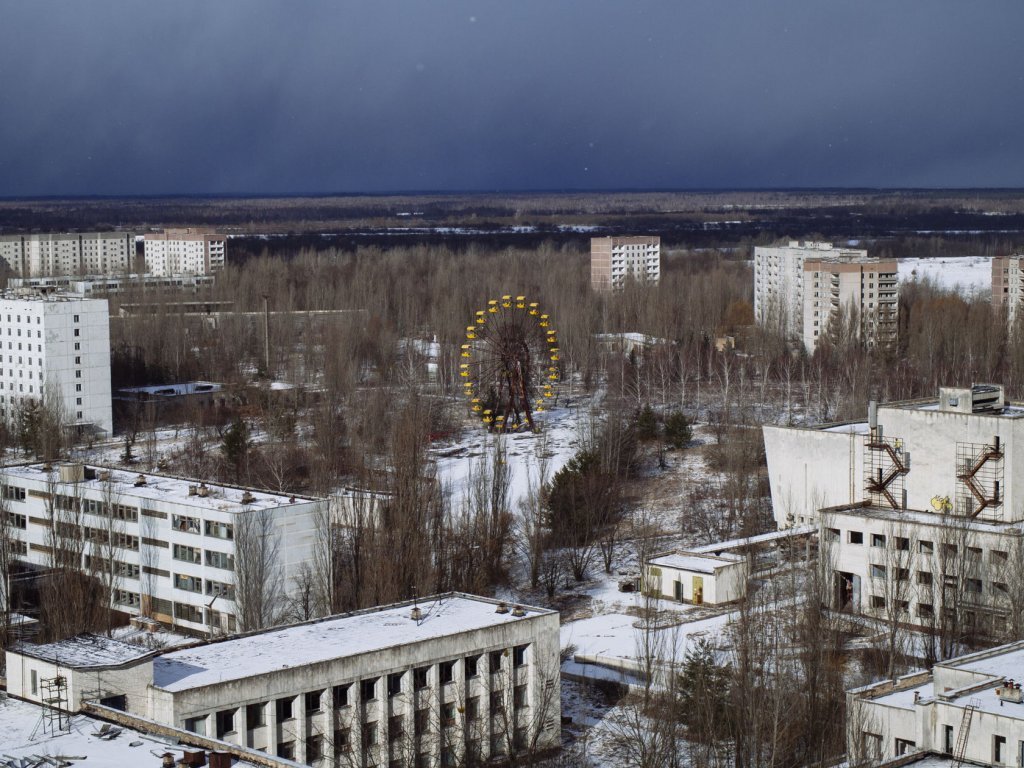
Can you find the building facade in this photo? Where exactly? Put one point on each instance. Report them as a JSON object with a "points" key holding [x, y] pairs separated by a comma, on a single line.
{"points": [[966, 446], [614, 260], [189, 251], [449, 680], [967, 709], [87, 253], [56, 349], [168, 544], [853, 298], [1008, 284], [99, 284], [801, 287]]}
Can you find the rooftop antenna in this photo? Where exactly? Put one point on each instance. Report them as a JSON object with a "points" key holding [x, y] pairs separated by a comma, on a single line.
{"points": [[416, 614]]}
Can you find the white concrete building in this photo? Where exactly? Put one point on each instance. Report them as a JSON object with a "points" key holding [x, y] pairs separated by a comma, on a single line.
{"points": [[853, 296], [613, 260], [698, 578], [92, 284], [171, 541], [93, 253], [438, 683], [56, 347], [967, 447], [189, 251], [965, 708], [1008, 284]]}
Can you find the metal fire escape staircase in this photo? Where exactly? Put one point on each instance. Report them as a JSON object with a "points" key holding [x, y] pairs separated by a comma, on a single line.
{"points": [[969, 475], [879, 483], [965, 729]]}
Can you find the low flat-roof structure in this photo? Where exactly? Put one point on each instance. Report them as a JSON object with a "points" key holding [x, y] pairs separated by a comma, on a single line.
{"points": [[697, 577]]}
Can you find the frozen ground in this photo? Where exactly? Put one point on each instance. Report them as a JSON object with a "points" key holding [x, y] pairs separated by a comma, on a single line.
{"points": [[971, 275]]}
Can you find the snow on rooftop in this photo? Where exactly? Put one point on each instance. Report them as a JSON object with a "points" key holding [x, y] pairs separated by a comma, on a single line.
{"points": [[173, 390], [857, 428], [22, 738], [762, 538], [85, 651], [695, 563], [161, 488], [923, 517], [324, 640], [969, 274]]}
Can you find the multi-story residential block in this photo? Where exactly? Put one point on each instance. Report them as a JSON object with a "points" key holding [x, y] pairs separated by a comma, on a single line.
{"points": [[800, 289], [856, 298], [965, 711], [189, 251], [450, 680], [56, 349], [967, 446], [614, 260], [1008, 284], [100, 284], [170, 542], [93, 253]]}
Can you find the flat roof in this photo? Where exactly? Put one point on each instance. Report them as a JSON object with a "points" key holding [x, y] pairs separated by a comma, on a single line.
{"points": [[328, 639], [85, 651], [761, 538], [922, 517], [695, 562], [223, 498]]}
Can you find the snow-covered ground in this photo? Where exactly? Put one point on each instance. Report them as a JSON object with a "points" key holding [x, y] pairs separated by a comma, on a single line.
{"points": [[971, 275]]}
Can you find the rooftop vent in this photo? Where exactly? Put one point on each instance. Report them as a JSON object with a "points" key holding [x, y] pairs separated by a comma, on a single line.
{"points": [[140, 481], [202, 491], [72, 472], [1010, 691], [517, 611], [502, 608], [416, 614], [103, 475], [248, 498], [193, 490]]}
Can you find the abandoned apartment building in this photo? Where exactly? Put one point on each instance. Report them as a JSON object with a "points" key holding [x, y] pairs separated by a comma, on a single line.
{"points": [[440, 681]]}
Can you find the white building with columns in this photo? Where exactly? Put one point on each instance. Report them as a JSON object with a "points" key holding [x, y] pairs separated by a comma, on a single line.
{"points": [[445, 681]]}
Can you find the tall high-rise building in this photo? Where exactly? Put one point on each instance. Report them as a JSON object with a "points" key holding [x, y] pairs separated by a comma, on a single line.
{"points": [[614, 259], [1008, 284], [802, 288], [55, 349], [86, 253], [190, 251]]}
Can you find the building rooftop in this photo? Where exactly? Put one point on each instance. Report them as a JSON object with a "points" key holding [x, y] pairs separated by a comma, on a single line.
{"points": [[922, 517], [753, 541], [224, 498], [85, 651], [695, 562], [174, 390], [327, 639]]}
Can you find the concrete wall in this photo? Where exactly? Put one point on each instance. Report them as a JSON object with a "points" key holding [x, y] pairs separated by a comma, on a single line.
{"points": [[810, 469], [95, 683], [727, 584]]}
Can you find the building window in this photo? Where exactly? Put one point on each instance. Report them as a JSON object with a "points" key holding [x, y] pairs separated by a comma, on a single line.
{"points": [[219, 530], [877, 571], [419, 678], [286, 749], [217, 559], [494, 661], [877, 601], [497, 701], [314, 749], [833, 534], [471, 664], [472, 708], [188, 583], [340, 695], [446, 671], [856, 537], [448, 714], [902, 543], [877, 540], [185, 524], [998, 749], [519, 697], [225, 722], [396, 727], [394, 684], [342, 740], [421, 721], [519, 656], [926, 610], [256, 715], [369, 733], [196, 725], [313, 701], [925, 547], [924, 578], [973, 585], [368, 690], [188, 554], [284, 708]]}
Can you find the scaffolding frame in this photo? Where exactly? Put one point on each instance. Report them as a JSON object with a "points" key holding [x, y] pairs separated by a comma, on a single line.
{"points": [[56, 715], [979, 480]]}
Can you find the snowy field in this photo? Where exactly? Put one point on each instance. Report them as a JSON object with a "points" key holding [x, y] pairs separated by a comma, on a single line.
{"points": [[971, 275]]}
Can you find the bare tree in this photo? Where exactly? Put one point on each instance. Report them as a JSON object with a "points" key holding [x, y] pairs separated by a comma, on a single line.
{"points": [[259, 592]]}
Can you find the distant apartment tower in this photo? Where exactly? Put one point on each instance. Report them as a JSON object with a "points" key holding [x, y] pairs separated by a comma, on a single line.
{"points": [[56, 347], [92, 253], [190, 251], [799, 288], [1008, 284], [864, 290], [614, 259]]}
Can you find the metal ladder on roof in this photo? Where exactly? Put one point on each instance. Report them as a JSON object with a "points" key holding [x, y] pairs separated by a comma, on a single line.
{"points": [[965, 729]]}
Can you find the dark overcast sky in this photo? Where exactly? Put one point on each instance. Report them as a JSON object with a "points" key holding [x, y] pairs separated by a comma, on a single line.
{"points": [[243, 96]]}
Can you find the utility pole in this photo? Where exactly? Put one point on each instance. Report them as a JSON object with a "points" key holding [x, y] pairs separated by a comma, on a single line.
{"points": [[266, 333]]}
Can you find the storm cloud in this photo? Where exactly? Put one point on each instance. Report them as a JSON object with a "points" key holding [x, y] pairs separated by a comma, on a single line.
{"points": [[233, 96]]}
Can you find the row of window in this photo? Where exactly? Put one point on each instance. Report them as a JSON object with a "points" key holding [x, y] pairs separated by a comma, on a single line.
{"points": [[194, 555], [186, 524], [195, 584], [924, 547]]}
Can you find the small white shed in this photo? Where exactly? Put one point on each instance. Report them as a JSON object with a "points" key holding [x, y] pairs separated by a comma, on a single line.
{"points": [[697, 577]]}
